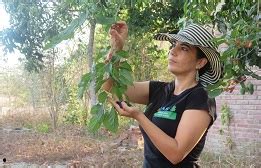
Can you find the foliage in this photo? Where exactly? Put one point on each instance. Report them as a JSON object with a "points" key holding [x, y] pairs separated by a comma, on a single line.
{"points": [[151, 18], [43, 128], [121, 76], [85, 11], [15, 87], [121, 73], [31, 22], [75, 111], [147, 59], [237, 21], [50, 23], [225, 115], [249, 87]]}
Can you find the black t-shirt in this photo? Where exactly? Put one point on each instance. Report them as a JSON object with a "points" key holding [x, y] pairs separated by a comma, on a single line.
{"points": [[167, 119]]}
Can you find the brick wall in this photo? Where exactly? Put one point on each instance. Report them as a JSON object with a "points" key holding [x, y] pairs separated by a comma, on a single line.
{"points": [[244, 132]]}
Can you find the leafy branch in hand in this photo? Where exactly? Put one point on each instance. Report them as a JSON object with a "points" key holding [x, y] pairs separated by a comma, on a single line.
{"points": [[119, 70]]}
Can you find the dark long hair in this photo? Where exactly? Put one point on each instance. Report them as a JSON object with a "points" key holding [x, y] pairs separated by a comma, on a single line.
{"points": [[169, 88], [200, 54]]}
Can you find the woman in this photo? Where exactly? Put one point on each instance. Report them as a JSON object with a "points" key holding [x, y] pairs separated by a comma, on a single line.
{"points": [[178, 113]]}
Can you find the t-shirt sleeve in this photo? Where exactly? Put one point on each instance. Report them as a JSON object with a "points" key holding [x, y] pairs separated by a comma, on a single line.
{"points": [[155, 88], [199, 100]]}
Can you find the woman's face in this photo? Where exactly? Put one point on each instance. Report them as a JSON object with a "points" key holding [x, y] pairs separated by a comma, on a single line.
{"points": [[182, 58]]}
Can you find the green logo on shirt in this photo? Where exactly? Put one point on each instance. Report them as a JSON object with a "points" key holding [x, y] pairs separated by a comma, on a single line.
{"points": [[167, 113]]}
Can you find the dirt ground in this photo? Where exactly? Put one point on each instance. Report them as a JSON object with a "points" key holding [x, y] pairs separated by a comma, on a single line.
{"points": [[48, 149], [68, 146], [73, 146]]}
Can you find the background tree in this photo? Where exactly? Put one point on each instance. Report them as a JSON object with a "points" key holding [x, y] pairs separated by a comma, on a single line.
{"points": [[89, 22], [106, 13], [14, 86], [31, 22]]}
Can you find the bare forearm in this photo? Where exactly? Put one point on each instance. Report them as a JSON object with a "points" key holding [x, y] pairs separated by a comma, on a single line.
{"points": [[108, 85]]}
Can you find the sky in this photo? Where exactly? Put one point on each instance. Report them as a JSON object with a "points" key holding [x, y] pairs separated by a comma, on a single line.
{"points": [[11, 59]]}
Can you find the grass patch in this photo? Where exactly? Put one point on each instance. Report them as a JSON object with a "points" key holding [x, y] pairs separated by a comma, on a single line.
{"points": [[211, 160], [43, 128]]}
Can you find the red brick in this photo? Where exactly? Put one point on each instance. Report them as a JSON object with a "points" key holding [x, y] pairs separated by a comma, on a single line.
{"points": [[239, 117], [236, 107], [257, 92], [255, 83], [253, 112], [245, 126], [250, 97], [257, 102], [257, 117], [258, 87], [241, 102], [258, 107], [242, 107]]}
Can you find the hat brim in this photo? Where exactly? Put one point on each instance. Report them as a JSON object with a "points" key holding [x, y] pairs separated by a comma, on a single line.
{"points": [[214, 73], [174, 37]]}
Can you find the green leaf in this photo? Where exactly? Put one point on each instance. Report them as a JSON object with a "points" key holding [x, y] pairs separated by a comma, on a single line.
{"points": [[123, 81], [102, 97], [100, 68], [122, 54], [84, 84], [251, 88], [118, 91], [216, 85], [252, 74], [99, 84], [126, 66], [108, 67], [214, 93], [115, 74], [242, 90], [181, 21], [96, 108], [126, 74], [67, 33], [220, 40], [105, 20], [222, 27], [111, 121], [115, 59], [95, 122]]}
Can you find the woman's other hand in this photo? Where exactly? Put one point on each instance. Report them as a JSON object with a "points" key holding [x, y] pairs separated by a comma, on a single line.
{"points": [[124, 110]]}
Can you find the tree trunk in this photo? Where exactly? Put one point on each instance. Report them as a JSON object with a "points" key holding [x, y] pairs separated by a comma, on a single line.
{"points": [[51, 90], [55, 106], [92, 95]]}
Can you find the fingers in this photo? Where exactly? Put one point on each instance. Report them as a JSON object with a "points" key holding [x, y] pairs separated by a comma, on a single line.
{"points": [[113, 26], [114, 103], [125, 106], [113, 31], [121, 107]]}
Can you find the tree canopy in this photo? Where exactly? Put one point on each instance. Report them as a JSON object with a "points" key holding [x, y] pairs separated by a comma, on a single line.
{"points": [[36, 27]]}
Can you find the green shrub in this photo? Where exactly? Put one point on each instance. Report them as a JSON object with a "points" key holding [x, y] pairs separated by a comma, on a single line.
{"points": [[43, 128]]}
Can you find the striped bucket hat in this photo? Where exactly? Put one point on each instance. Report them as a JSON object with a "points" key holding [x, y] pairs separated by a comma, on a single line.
{"points": [[198, 36]]}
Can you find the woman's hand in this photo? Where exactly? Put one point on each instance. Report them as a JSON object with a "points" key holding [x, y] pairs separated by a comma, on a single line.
{"points": [[118, 35], [124, 110]]}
